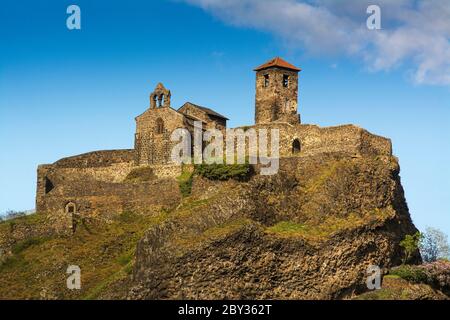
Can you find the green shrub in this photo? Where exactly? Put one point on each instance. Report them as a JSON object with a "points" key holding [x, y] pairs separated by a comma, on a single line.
{"points": [[128, 269], [125, 258], [12, 263], [224, 172], [410, 244], [12, 224], [287, 227], [22, 245], [185, 182], [128, 217], [410, 273]]}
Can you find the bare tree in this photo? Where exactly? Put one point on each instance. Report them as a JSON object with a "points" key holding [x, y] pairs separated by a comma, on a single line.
{"points": [[434, 245]]}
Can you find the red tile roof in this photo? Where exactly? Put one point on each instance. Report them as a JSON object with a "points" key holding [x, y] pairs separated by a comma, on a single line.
{"points": [[277, 62]]}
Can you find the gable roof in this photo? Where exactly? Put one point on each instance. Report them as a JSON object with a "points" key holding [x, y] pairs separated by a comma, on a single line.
{"points": [[151, 110], [191, 117], [277, 62], [207, 110]]}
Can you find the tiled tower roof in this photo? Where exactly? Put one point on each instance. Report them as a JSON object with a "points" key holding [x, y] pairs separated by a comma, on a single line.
{"points": [[277, 62]]}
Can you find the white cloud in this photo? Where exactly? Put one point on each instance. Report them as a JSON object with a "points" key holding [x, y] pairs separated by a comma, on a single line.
{"points": [[415, 33]]}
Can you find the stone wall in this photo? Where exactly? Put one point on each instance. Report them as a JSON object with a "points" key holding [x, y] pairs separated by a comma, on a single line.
{"points": [[163, 171], [95, 185], [96, 159], [152, 139], [103, 200], [211, 122], [346, 140], [373, 144], [107, 166]]}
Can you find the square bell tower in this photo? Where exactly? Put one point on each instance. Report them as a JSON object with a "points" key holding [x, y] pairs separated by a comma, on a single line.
{"points": [[276, 92]]}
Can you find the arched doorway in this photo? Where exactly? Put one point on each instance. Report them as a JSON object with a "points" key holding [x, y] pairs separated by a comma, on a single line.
{"points": [[71, 211], [71, 208], [296, 146]]}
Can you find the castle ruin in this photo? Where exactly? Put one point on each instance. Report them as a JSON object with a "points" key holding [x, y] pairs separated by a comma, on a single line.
{"points": [[95, 185]]}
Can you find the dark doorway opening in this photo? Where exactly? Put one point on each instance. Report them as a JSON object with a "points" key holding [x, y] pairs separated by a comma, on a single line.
{"points": [[48, 185], [296, 146]]}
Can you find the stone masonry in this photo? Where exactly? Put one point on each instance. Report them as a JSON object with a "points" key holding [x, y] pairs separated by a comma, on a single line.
{"points": [[95, 184], [276, 92]]}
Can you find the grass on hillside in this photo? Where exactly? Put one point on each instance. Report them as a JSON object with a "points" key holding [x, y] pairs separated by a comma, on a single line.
{"points": [[185, 181], [28, 220], [396, 288], [328, 227], [104, 253]]}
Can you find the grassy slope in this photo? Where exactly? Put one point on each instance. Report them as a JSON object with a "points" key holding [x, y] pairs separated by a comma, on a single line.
{"points": [[396, 288], [328, 227], [315, 228], [104, 254]]}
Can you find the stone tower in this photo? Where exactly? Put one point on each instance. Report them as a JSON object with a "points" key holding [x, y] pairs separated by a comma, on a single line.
{"points": [[276, 92]]}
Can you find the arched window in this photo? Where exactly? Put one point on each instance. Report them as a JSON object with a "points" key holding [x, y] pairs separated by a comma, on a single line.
{"points": [[275, 112], [159, 126], [285, 80], [296, 146], [161, 101], [71, 208], [155, 100], [266, 80]]}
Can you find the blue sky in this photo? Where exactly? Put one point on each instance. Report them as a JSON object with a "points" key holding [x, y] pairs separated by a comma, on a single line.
{"points": [[67, 92]]}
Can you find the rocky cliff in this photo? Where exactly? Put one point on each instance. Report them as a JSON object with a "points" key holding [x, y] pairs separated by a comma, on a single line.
{"points": [[309, 232]]}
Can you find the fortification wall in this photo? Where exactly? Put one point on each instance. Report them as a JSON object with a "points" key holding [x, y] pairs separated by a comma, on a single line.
{"points": [[96, 159], [374, 145], [163, 171], [95, 184], [347, 140], [102, 200], [107, 166]]}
